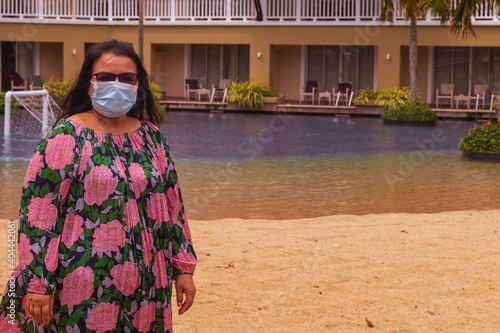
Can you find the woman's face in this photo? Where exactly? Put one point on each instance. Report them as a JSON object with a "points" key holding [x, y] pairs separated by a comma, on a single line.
{"points": [[112, 63]]}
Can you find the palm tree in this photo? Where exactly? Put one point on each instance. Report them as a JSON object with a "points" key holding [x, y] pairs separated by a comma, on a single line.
{"points": [[461, 19], [413, 10]]}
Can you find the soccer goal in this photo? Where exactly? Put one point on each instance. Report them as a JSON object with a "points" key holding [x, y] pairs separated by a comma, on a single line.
{"points": [[29, 113]]}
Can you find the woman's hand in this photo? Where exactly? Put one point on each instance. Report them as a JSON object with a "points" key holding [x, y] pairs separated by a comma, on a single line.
{"points": [[40, 307], [184, 285]]}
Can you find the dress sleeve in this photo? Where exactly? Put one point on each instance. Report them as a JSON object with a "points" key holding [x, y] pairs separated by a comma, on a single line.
{"points": [[43, 204], [183, 255]]}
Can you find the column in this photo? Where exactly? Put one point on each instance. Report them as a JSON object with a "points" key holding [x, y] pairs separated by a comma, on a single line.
{"points": [[260, 62]]}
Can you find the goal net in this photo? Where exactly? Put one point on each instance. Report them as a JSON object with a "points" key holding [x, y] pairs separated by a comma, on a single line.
{"points": [[27, 114]]}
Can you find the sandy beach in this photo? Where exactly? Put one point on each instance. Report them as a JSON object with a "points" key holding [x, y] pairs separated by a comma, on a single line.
{"points": [[402, 272]]}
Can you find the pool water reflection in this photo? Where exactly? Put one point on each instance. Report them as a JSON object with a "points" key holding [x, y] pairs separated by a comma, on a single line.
{"points": [[285, 166]]}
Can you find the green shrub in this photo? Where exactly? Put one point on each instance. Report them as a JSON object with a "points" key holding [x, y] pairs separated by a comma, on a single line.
{"points": [[419, 111], [366, 95], [13, 104], [483, 139], [156, 90], [249, 93], [58, 89], [390, 97]]}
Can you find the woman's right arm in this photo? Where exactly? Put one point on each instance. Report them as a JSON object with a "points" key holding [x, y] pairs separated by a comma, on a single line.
{"points": [[42, 213]]}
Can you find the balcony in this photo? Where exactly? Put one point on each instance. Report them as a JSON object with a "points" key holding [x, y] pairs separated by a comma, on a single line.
{"points": [[212, 12]]}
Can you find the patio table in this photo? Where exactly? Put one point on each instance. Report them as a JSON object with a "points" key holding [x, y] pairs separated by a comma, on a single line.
{"points": [[462, 98], [325, 94], [202, 92]]}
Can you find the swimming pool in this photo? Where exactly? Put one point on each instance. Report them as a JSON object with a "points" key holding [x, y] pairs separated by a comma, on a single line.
{"points": [[297, 166]]}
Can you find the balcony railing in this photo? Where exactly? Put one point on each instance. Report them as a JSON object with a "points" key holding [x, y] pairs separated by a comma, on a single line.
{"points": [[214, 12]]}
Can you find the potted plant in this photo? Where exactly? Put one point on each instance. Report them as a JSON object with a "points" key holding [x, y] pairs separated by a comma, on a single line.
{"points": [[390, 97], [270, 97], [58, 89], [159, 95], [407, 114], [248, 94], [13, 105], [482, 143], [365, 102]]}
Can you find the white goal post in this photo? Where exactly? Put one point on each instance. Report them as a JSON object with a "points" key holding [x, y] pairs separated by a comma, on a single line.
{"points": [[8, 101]]}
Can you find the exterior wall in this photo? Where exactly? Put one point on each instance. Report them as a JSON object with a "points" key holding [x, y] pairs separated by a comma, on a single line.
{"points": [[167, 68], [422, 70], [51, 61], [285, 70], [271, 41]]}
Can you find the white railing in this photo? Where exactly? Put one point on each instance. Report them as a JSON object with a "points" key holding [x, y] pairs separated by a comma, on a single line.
{"points": [[293, 12]]}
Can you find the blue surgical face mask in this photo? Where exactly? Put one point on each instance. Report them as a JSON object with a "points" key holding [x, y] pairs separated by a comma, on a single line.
{"points": [[112, 98]]}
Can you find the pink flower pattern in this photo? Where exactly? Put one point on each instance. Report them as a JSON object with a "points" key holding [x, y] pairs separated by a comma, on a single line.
{"points": [[42, 213], [38, 286], [158, 209], [60, 151], [147, 246], [106, 198], [160, 269], [103, 317], [144, 317], [24, 250], [162, 159], [7, 327], [167, 316], [99, 185], [84, 157], [126, 278], [77, 286], [139, 180], [121, 169], [185, 228], [132, 216], [174, 204], [72, 229], [33, 168], [64, 188], [51, 258], [109, 236], [136, 141], [184, 261]]}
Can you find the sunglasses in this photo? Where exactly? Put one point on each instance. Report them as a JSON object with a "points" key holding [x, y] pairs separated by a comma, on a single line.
{"points": [[130, 78]]}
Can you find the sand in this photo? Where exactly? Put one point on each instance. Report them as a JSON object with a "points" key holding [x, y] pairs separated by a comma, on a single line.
{"points": [[403, 272]]}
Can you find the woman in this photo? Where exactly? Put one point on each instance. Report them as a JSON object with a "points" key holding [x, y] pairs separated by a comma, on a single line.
{"points": [[102, 228]]}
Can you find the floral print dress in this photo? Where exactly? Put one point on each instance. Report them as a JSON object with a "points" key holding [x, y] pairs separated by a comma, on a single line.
{"points": [[102, 227]]}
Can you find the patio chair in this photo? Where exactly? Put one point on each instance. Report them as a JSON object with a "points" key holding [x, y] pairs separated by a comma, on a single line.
{"points": [[309, 90], [479, 93], [17, 82], [221, 90], [36, 82], [191, 87], [445, 92], [343, 91]]}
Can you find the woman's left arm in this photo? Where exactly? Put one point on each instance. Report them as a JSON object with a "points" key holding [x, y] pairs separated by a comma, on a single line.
{"points": [[183, 255]]}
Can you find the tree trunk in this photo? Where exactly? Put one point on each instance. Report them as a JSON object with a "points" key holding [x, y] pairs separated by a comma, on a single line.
{"points": [[413, 59], [141, 29]]}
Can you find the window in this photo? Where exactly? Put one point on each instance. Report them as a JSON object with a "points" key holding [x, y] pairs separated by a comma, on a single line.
{"points": [[466, 67], [213, 62], [332, 64]]}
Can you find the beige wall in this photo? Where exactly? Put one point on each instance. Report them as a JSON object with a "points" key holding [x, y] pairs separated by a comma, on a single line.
{"points": [[167, 68], [51, 61], [285, 70], [422, 70], [388, 40]]}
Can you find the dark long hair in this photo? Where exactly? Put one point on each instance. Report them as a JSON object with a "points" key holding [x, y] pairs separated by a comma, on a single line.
{"points": [[78, 99]]}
